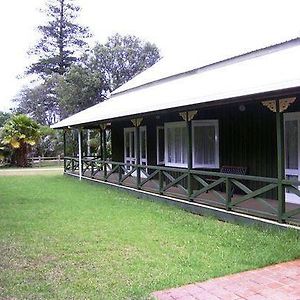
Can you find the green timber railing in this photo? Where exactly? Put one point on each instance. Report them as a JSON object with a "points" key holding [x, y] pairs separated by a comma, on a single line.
{"points": [[230, 191]]}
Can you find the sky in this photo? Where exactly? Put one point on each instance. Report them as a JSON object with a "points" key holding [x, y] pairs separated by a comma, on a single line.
{"points": [[183, 30]]}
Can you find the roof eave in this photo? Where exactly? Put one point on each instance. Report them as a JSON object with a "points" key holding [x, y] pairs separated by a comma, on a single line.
{"points": [[214, 103]]}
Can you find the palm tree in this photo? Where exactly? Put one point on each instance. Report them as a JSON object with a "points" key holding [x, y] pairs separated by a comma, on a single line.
{"points": [[20, 133]]}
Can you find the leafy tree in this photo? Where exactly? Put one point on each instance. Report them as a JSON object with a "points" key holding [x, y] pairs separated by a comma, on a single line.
{"points": [[50, 142], [62, 38], [89, 81], [4, 149], [121, 58], [40, 102], [20, 133], [5, 152], [79, 88], [4, 116], [101, 71]]}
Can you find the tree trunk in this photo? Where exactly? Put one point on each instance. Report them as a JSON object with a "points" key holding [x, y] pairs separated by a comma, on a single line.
{"points": [[21, 156], [61, 39]]}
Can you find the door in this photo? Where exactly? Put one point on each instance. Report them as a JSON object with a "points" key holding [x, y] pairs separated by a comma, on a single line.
{"points": [[292, 151], [129, 148], [143, 150]]}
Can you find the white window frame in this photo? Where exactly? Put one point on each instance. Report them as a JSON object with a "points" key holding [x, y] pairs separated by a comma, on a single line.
{"points": [[132, 129], [173, 125], [131, 159], [292, 116], [145, 159], [158, 128], [214, 123]]}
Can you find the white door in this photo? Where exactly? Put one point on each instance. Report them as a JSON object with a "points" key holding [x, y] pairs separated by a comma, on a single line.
{"points": [[129, 147], [292, 151], [143, 150]]}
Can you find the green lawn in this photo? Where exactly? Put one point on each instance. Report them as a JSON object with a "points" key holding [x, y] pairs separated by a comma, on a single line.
{"points": [[65, 239], [48, 163], [30, 171]]}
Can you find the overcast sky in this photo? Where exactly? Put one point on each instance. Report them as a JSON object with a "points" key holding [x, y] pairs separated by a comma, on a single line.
{"points": [[175, 26]]}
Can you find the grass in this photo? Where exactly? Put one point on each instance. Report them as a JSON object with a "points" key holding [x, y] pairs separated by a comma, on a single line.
{"points": [[65, 239], [42, 164], [30, 171], [48, 163]]}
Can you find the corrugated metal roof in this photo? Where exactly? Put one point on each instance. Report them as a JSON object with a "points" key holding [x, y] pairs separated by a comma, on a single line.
{"points": [[271, 69], [194, 59]]}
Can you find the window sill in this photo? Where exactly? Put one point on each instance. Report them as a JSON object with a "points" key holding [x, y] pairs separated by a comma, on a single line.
{"points": [[176, 165], [206, 167]]}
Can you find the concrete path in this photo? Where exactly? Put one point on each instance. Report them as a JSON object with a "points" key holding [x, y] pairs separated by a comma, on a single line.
{"points": [[277, 282]]}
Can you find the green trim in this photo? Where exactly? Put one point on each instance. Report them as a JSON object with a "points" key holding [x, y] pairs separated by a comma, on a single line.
{"points": [[128, 174], [149, 177], [208, 187], [280, 162], [162, 187], [292, 213], [254, 194], [189, 157], [115, 168], [104, 152], [228, 193], [137, 157], [201, 209], [174, 182], [204, 183]]}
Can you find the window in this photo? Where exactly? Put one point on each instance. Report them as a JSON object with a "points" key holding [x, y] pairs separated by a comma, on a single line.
{"points": [[129, 145], [160, 145], [143, 145], [175, 144], [205, 143]]}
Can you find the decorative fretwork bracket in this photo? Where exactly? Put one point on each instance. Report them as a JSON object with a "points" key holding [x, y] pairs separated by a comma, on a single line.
{"points": [[103, 126], [284, 103], [188, 115], [137, 122]]}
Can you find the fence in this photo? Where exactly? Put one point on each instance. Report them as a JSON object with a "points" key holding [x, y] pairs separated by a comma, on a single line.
{"points": [[229, 190], [49, 161]]}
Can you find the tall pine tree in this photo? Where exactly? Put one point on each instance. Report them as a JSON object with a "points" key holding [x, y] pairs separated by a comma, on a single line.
{"points": [[61, 39]]}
